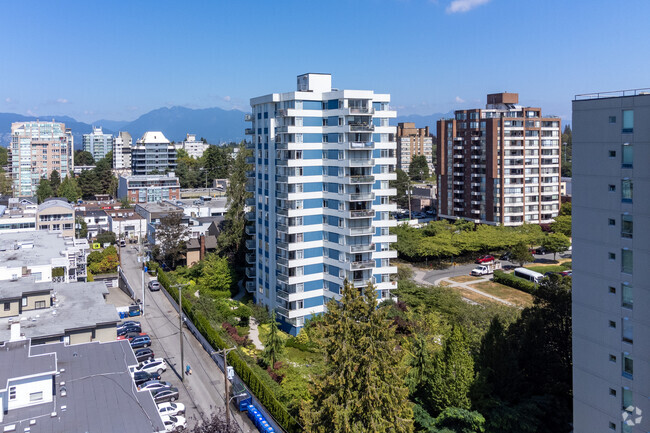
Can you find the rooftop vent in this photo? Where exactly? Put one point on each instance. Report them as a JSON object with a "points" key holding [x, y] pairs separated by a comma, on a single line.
{"points": [[53, 415]]}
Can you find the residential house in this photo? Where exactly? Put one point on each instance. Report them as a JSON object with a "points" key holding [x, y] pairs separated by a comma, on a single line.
{"points": [[56, 215]]}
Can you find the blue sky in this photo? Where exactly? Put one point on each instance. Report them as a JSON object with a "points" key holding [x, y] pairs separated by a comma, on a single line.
{"points": [[120, 59]]}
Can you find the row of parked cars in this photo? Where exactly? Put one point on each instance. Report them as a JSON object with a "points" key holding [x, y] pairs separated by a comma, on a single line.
{"points": [[147, 375]]}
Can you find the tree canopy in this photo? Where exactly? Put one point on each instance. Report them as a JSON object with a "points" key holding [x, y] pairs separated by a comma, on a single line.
{"points": [[419, 168], [44, 190], [402, 184], [81, 157]]}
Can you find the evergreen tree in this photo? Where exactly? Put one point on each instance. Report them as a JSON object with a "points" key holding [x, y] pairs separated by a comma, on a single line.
{"points": [[69, 189], [402, 184], [274, 346], [4, 156], [361, 388], [231, 239], [171, 234], [55, 182], [217, 276], [520, 254], [453, 373], [44, 190], [5, 183], [81, 157], [419, 168]]}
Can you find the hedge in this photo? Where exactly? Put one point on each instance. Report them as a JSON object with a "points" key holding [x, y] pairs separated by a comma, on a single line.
{"points": [[244, 371], [514, 282]]}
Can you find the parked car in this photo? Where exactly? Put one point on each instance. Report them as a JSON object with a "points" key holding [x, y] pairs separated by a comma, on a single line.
{"points": [[485, 259], [156, 365], [131, 335], [171, 409], [567, 273], [128, 329], [141, 341], [173, 422], [154, 385], [538, 250], [154, 285], [140, 377], [506, 256], [128, 323], [144, 354], [163, 395]]}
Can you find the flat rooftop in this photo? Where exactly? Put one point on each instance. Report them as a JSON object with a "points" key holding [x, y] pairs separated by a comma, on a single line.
{"points": [[100, 395], [46, 247], [613, 94], [215, 202], [76, 305], [15, 361], [159, 207]]}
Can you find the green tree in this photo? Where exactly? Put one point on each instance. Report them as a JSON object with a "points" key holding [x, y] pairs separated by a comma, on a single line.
{"points": [[403, 185], [419, 168], [453, 373], [565, 209], [106, 237], [109, 157], [125, 203], [217, 161], [217, 274], [521, 254], [69, 189], [231, 240], [88, 184], [81, 157], [55, 182], [562, 224], [171, 233], [5, 182], [81, 228], [459, 420], [556, 243], [361, 387], [567, 151], [4, 156], [44, 190], [274, 346]]}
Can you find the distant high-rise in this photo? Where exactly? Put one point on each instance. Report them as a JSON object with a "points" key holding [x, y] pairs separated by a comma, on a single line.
{"points": [[122, 152], [38, 148], [153, 153], [193, 147], [322, 162], [97, 143], [412, 141], [611, 290], [500, 164]]}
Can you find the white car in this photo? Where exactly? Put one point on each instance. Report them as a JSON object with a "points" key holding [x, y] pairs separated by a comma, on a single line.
{"points": [[171, 409], [154, 385], [171, 422], [156, 365]]}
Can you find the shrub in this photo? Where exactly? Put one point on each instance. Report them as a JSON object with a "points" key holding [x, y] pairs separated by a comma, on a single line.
{"points": [[514, 282], [232, 331]]}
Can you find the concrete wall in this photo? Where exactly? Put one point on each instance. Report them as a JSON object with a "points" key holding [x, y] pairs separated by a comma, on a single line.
{"points": [[77, 337], [105, 333], [26, 387], [14, 308], [33, 299]]}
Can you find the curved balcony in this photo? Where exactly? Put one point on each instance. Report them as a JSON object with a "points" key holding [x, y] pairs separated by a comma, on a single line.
{"points": [[250, 244], [250, 286], [250, 230], [250, 258], [250, 272]]}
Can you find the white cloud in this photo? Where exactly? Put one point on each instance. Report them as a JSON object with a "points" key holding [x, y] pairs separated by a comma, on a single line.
{"points": [[62, 101], [459, 99], [227, 98], [460, 6]]}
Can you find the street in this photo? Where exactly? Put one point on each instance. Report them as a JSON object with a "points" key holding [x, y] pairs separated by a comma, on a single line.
{"points": [[202, 392]]}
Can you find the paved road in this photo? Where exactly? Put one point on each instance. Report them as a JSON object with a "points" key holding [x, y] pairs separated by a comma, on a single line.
{"points": [[203, 391]]}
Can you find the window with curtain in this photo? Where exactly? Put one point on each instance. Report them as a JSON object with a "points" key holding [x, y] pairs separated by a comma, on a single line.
{"points": [[626, 261], [626, 190], [627, 299], [627, 155], [628, 331], [628, 121]]}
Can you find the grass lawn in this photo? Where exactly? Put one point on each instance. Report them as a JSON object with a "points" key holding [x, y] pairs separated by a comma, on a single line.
{"points": [[473, 296], [506, 293], [463, 278], [301, 357], [542, 269], [445, 284]]}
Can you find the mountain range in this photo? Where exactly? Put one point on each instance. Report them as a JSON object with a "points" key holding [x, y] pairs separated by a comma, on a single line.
{"points": [[214, 124]]}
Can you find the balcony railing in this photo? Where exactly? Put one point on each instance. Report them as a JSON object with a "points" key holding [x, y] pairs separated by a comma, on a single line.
{"points": [[361, 145], [361, 110], [250, 286], [249, 131], [367, 213], [362, 179], [250, 230], [362, 196], [361, 162], [363, 264], [250, 216], [250, 244], [361, 127], [248, 117], [282, 261], [250, 272], [250, 258], [362, 248], [368, 230]]}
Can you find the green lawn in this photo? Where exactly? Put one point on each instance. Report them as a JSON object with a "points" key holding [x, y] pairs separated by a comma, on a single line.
{"points": [[548, 268]]}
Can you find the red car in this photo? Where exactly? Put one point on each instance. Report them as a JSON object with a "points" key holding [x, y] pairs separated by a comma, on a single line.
{"points": [[131, 335], [485, 259]]}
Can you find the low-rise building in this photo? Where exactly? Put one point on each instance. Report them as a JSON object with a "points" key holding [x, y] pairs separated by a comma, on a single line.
{"points": [[153, 213], [198, 247], [149, 189], [18, 215], [203, 207], [127, 224], [58, 388], [71, 313], [565, 187], [193, 147], [423, 197], [56, 215], [36, 254], [96, 221]]}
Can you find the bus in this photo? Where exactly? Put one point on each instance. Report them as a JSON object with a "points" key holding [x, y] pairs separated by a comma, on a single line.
{"points": [[529, 275]]}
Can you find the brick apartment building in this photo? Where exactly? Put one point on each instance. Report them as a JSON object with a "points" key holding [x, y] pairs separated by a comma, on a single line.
{"points": [[499, 165], [412, 141]]}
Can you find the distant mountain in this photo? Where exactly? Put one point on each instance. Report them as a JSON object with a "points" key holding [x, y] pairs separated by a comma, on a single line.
{"points": [[422, 121], [113, 125]]}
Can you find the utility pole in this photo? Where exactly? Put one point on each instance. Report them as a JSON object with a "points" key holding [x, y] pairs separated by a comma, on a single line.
{"points": [[225, 377]]}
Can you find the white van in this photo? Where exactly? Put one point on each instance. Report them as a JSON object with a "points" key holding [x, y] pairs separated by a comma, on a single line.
{"points": [[529, 275]]}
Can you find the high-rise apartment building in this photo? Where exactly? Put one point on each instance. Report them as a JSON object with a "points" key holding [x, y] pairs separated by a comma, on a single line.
{"points": [[153, 153], [97, 143], [412, 141], [38, 148], [499, 165], [322, 162], [610, 294], [122, 153]]}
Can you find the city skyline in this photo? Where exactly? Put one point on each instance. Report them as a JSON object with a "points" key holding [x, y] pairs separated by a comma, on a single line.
{"points": [[444, 55]]}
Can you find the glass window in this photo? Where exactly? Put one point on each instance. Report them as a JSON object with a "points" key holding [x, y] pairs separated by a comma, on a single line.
{"points": [[612, 119], [626, 226], [36, 396], [627, 190], [612, 154], [612, 222], [628, 120], [627, 400], [627, 299], [612, 188], [628, 331], [628, 366], [12, 393], [627, 261], [628, 155]]}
